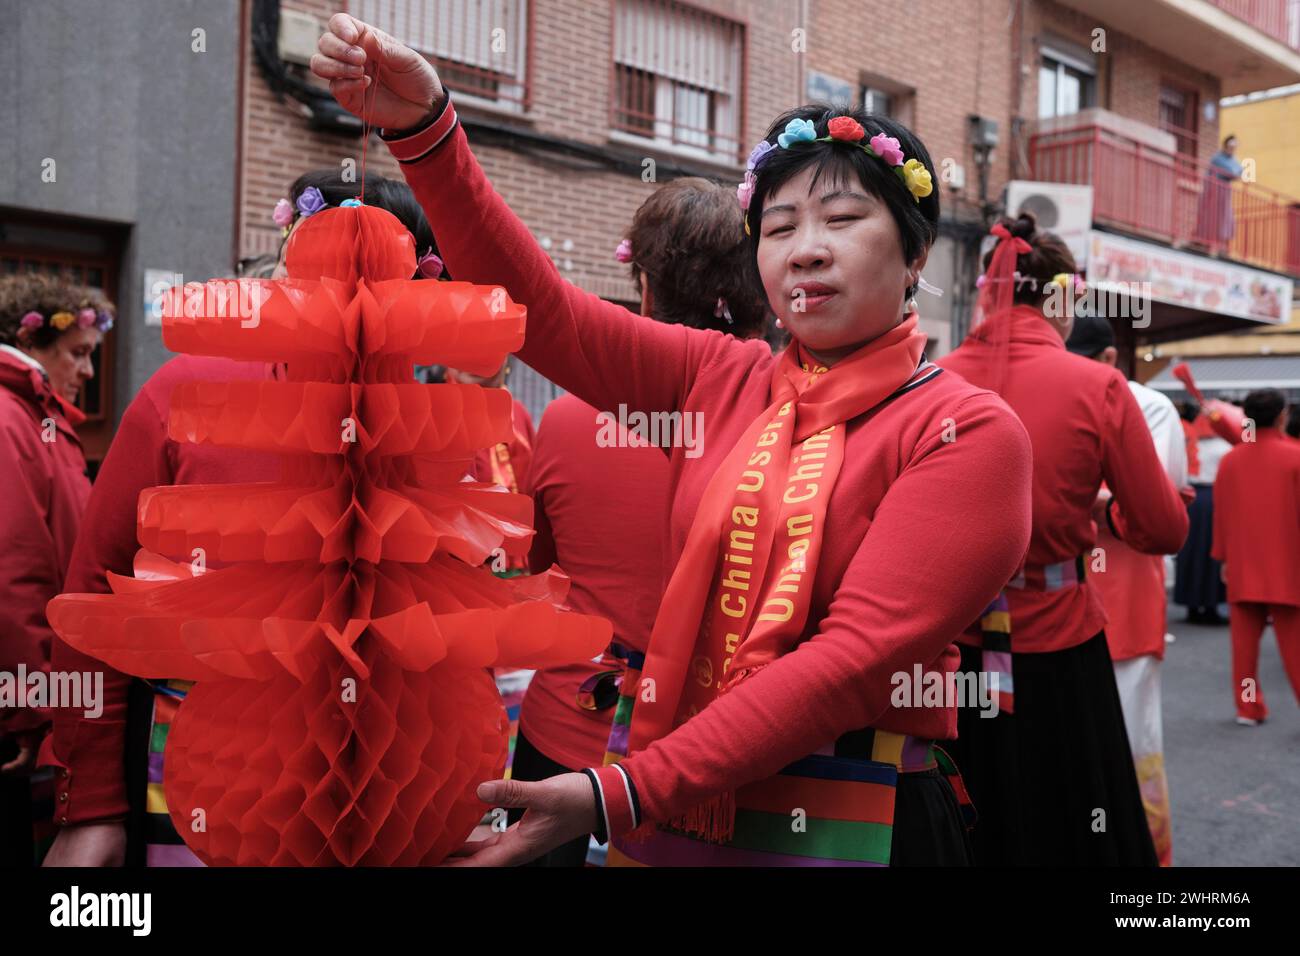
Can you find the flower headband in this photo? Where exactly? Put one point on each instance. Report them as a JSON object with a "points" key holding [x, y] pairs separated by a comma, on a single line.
{"points": [[841, 129], [83, 319], [309, 202]]}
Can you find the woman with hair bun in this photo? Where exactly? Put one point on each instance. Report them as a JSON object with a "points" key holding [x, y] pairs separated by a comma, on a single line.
{"points": [[1054, 782], [686, 252], [49, 329]]}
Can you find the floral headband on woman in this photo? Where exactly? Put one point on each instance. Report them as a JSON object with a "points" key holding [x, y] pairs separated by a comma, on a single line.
{"points": [[841, 129], [101, 320], [310, 201]]}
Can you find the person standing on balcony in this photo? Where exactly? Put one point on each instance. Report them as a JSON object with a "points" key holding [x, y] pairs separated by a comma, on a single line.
{"points": [[1257, 537], [1132, 589], [48, 330], [1215, 223], [1054, 783]]}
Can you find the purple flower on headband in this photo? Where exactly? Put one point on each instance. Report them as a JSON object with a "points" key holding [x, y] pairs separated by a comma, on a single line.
{"points": [[282, 215], [32, 320], [624, 251], [758, 154], [85, 318], [104, 320], [311, 201], [888, 149], [429, 266], [745, 191]]}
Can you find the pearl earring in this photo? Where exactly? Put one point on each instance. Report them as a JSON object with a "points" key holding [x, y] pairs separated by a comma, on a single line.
{"points": [[779, 323], [911, 304]]}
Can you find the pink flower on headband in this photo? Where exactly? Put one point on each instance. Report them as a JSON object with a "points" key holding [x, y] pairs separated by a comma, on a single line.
{"points": [[429, 266], [85, 318], [282, 215], [32, 320], [624, 251], [745, 191], [979, 282], [888, 149]]}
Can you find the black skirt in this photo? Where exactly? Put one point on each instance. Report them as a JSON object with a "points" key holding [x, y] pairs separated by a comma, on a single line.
{"points": [[1053, 784], [1197, 582]]}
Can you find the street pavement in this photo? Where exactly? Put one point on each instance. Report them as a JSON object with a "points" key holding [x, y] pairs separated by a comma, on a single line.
{"points": [[1235, 791]]}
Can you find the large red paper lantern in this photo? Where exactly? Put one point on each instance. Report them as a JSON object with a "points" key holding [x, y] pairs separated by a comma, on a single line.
{"points": [[344, 710]]}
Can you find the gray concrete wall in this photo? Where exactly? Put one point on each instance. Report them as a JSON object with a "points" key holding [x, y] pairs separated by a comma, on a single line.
{"points": [[143, 132]]}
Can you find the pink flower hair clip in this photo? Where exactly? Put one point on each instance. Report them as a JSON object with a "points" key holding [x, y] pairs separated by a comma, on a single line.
{"points": [[624, 251]]}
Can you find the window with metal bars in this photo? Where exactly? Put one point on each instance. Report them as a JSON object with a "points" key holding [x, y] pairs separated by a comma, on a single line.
{"points": [[1178, 115], [678, 77]]}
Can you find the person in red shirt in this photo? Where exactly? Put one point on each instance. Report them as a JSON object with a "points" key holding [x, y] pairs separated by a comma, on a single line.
{"points": [[1132, 589], [686, 252], [48, 329], [1257, 537], [777, 592], [107, 814], [1054, 782]]}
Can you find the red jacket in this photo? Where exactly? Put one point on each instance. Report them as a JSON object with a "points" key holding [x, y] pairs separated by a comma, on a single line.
{"points": [[44, 485], [1086, 428], [948, 520], [93, 786], [1257, 519], [581, 491]]}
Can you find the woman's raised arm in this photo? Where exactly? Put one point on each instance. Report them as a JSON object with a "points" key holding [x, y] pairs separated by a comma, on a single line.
{"points": [[601, 352]]}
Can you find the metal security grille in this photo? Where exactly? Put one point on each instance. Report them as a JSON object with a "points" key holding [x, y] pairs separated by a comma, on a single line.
{"points": [[480, 47], [678, 76]]}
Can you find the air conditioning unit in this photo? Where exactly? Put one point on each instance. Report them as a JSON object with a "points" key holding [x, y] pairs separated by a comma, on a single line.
{"points": [[299, 33], [1062, 208]]}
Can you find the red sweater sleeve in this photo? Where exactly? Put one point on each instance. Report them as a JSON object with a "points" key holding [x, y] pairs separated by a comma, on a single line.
{"points": [[1148, 514], [541, 554], [601, 352], [29, 571], [92, 750], [957, 521]]}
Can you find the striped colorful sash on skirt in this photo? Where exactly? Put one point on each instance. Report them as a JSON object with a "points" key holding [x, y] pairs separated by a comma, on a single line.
{"points": [[832, 808], [163, 845], [995, 635]]}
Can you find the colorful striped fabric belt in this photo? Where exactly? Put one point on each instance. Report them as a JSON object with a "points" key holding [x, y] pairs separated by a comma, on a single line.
{"points": [[163, 845], [834, 807], [1049, 577]]}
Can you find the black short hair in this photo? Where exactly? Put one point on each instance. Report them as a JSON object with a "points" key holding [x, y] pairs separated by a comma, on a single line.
{"points": [[918, 222], [388, 194], [1264, 405]]}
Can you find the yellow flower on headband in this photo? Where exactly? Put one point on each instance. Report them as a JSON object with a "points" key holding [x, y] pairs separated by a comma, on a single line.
{"points": [[61, 320], [917, 179]]}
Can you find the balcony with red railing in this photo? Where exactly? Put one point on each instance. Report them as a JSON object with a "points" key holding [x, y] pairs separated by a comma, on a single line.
{"points": [[1247, 45], [1142, 188], [1279, 19]]}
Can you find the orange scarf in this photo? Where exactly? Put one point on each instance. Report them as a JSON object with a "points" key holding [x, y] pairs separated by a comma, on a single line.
{"points": [[740, 594]]}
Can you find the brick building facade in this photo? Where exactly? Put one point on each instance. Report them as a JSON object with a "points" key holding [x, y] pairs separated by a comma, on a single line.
{"points": [[570, 102]]}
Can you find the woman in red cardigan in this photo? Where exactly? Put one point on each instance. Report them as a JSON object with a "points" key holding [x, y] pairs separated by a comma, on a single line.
{"points": [[1054, 782], [48, 330], [826, 542], [686, 251]]}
